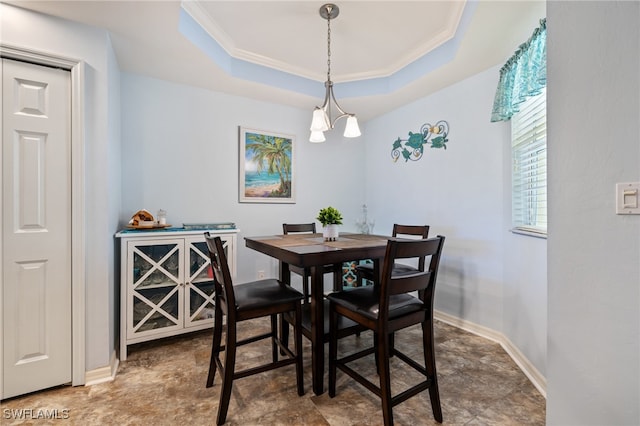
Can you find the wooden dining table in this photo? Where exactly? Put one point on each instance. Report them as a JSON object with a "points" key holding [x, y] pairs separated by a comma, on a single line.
{"points": [[311, 251]]}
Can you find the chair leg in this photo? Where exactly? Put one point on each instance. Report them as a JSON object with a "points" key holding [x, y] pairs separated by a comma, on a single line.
{"points": [[385, 378], [274, 336], [430, 366], [392, 344], [376, 354], [284, 332], [229, 367], [298, 348], [215, 346], [333, 350]]}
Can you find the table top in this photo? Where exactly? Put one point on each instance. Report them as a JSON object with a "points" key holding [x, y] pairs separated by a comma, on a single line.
{"points": [[311, 249]]}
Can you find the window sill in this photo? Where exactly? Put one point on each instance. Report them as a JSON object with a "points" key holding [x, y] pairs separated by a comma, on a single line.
{"points": [[529, 233]]}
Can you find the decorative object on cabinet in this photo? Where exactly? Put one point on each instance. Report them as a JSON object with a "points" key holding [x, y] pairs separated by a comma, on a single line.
{"points": [[142, 219], [207, 226], [266, 167], [166, 282], [434, 135]]}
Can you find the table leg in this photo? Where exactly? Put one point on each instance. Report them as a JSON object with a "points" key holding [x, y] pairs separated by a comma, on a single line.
{"points": [[285, 277], [377, 270], [284, 272], [337, 277], [317, 329]]}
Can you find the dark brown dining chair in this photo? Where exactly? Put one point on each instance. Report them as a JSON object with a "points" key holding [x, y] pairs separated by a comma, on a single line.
{"points": [[385, 309], [242, 302], [366, 272], [305, 273]]}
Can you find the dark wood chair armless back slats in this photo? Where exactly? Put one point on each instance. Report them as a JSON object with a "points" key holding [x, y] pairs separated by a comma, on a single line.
{"points": [[365, 271], [387, 308], [263, 298]]}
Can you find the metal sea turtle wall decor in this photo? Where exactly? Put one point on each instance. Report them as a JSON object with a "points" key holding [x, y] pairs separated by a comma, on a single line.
{"points": [[412, 148]]}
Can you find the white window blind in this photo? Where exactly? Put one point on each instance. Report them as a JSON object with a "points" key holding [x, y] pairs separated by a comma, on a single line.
{"points": [[529, 173]]}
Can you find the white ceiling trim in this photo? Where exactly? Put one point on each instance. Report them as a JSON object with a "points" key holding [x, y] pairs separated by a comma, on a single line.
{"points": [[421, 50], [209, 25], [200, 15]]}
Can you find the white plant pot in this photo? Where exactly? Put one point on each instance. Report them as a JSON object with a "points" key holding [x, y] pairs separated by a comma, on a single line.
{"points": [[330, 232]]}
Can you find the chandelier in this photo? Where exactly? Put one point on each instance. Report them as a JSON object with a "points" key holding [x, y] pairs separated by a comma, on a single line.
{"points": [[322, 120]]}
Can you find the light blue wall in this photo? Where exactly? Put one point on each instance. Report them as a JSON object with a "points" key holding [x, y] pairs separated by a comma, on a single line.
{"points": [[457, 191], [488, 276], [593, 375], [180, 153]]}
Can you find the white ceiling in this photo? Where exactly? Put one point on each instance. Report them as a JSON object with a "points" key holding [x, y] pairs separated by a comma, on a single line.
{"points": [[427, 45]]}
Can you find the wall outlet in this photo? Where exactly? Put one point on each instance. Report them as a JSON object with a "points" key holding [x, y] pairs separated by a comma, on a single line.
{"points": [[261, 275]]}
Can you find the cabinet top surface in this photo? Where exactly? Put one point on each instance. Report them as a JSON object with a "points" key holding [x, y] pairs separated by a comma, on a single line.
{"points": [[169, 232]]}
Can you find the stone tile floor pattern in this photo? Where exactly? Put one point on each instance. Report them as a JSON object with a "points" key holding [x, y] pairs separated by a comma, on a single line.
{"points": [[163, 383]]}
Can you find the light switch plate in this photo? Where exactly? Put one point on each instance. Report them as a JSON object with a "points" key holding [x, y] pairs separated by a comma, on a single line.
{"points": [[628, 198]]}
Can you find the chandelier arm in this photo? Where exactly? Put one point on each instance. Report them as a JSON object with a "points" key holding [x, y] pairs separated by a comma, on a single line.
{"points": [[328, 93], [342, 112]]}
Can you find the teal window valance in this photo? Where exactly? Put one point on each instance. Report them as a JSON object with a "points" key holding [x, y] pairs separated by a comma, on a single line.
{"points": [[524, 75]]}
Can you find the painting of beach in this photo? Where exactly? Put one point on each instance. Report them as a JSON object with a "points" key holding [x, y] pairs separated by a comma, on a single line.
{"points": [[266, 167]]}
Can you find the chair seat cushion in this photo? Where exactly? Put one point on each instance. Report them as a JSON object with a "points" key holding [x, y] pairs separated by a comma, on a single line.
{"points": [[269, 292], [365, 300]]}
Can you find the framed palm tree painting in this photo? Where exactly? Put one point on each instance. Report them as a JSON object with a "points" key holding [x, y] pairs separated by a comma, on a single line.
{"points": [[266, 167]]}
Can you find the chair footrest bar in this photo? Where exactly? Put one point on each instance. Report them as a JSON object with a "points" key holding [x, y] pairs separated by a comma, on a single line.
{"points": [[403, 396], [411, 362], [356, 355], [254, 339], [263, 368], [360, 379]]}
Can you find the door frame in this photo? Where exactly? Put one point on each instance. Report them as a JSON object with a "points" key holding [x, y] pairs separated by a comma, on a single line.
{"points": [[78, 280]]}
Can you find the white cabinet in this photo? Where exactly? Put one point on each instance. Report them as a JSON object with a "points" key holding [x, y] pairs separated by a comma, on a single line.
{"points": [[166, 283]]}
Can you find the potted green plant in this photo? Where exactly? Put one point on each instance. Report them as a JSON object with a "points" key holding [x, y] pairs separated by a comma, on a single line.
{"points": [[330, 218]]}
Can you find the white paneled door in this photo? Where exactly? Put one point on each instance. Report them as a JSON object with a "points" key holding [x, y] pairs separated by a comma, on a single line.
{"points": [[36, 227]]}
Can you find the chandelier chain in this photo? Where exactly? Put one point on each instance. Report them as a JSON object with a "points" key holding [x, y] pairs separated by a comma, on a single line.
{"points": [[329, 48]]}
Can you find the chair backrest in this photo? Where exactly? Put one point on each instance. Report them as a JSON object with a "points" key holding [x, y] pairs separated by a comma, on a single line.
{"points": [[420, 231], [289, 228], [424, 281], [221, 274]]}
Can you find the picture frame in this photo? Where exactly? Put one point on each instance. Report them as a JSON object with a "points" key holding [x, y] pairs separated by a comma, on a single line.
{"points": [[266, 166]]}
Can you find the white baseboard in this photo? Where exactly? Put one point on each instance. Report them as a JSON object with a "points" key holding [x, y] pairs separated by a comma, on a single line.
{"points": [[537, 379], [103, 374]]}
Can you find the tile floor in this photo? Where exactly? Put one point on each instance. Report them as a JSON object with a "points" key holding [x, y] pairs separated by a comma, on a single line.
{"points": [[163, 383]]}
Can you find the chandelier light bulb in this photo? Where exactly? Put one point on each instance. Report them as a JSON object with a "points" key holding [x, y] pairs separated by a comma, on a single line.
{"points": [[317, 136], [320, 121], [352, 130]]}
